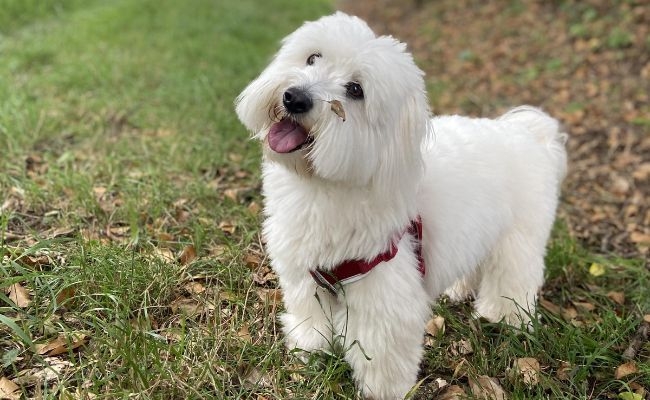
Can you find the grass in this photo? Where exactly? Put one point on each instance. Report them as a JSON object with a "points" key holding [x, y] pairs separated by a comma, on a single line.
{"points": [[129, 216]]}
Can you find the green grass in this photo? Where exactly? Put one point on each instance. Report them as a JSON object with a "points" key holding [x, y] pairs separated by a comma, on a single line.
{"points": [[120, 155]]}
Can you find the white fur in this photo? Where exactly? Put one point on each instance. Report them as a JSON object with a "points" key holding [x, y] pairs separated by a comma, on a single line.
{"points": [[486, 191]]}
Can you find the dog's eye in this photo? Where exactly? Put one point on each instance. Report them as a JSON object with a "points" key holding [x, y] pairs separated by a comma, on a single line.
{"points": [[312, 58], [354, 90]]}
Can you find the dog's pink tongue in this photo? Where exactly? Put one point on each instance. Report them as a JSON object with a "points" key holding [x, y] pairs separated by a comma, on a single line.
{"points": [[286, 136]]}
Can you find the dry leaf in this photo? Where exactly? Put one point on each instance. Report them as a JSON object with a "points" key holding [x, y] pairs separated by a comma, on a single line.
{"points": [[227, 227], [527, 369], [254, 378], [52, 369], [244, 334], [337, 107], [194, 287], [231, 194], [584, 306], [187, 255], [254, 208], [66, 294], [597, 269], [252, 260], [217, 250], [435, 325], [461, 347], [564, 372], [8, 389], [186, 306], [640, 238], [453, 392], [270, 296], [617, 297], [164, 253], [626, 369], [646, 318], [550, 307], [62, 344], [484, 387], [19, 295]]}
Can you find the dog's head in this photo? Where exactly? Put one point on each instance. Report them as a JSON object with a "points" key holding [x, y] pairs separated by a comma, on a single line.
{"points": [[339, 103]]}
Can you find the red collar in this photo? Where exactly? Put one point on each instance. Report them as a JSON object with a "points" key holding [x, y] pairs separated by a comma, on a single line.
{"points": [[352, 270]]}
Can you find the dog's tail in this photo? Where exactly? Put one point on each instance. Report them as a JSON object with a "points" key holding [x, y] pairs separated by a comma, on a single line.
{"points": [[548, 131]]}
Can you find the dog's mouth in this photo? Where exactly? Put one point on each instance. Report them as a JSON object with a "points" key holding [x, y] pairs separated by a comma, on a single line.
{"points": [[288, 136]]}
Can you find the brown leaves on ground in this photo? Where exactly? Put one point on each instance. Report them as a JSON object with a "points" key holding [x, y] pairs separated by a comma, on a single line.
{"points": [[485, 387], [19, 295], [8, 389], [585, 62], [525, 369], [64, 343], [626, 369]]}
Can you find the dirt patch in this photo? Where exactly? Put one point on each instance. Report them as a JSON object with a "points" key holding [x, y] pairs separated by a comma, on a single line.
{"points": [[585, 62]]}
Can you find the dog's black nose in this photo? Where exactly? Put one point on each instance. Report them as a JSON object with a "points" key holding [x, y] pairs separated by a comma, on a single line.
{"points": [[297, 101]]}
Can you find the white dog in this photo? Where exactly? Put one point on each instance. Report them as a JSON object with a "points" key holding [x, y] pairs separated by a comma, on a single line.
{"points": [[354, 168]]}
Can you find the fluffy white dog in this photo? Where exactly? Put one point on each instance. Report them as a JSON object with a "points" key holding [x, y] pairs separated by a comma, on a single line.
{"points": [[361, 186]]}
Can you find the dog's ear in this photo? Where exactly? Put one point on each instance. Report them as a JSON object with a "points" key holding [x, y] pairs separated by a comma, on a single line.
{"points": [[256, 103]]}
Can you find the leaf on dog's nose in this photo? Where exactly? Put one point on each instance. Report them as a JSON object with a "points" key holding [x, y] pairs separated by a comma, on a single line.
{"points": [[337, 107]]}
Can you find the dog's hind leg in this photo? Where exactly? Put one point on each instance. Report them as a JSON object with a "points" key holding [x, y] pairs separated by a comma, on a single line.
{"points": [[510, 280]]}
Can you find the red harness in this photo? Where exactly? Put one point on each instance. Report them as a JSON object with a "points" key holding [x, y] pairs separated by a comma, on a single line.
{"points": [[352, 270]]}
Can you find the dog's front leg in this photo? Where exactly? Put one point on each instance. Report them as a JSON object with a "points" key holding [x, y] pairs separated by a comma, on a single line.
{"points": [[307, 322], [383, 328]]}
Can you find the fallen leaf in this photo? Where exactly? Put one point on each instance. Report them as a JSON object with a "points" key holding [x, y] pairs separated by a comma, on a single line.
{"points": [[8, 389], [646, 318], [217, 250], [231, 194], [626, 369], [461, 347], [235, 157], [255, 378], [617, 297], [19, 295], [453, 392], [435, 325], [270, 296], [550, 307], [527, 369], [337, 107], [51, 369], [245, 334], [254, 208], [62, 344], [596, 269], [187, 255], [253, 260], [564, 372], [66, 294], [186, 306], [640, 237], [584, 306], [484, 387], [164, 253], [227, 227], [194, 287], [630, 396]]}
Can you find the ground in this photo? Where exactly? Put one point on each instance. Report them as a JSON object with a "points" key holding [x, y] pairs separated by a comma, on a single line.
{"points": [[131, 262]]}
